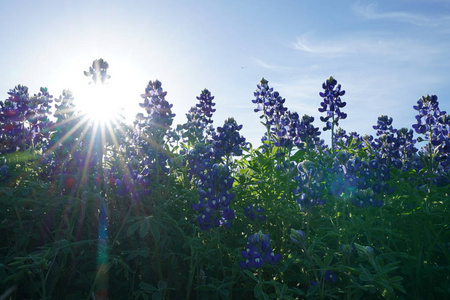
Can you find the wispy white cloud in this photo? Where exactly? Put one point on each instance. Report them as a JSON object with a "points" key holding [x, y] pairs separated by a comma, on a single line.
{"points": [[272, 67], [372, 12], [304, 44], [366, 47]]}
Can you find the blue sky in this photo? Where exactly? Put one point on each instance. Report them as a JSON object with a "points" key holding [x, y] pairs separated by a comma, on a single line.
{"points": [[386, 54]]}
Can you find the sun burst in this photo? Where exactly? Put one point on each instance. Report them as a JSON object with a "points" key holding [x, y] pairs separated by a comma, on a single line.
{"points": [[100, 104]]}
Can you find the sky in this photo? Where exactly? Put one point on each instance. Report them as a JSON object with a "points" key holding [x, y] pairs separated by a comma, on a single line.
{"points": [[385, 54]]}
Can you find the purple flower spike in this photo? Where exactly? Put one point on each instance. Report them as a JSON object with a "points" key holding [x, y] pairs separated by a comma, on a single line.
{"points": [[215, 198], [330, 276], [332, 103], [258, 252], [297, 236]]}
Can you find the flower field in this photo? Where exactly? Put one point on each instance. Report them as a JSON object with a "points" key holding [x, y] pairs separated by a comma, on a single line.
{"points": [[157, 211]]}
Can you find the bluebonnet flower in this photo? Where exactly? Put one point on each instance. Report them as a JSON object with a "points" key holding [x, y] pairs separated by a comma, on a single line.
{"points": [[258, 252], [160, 116], [309, 191], [364, 198], [371, 183], [297, 131], [287, 169], [384, 125], [364, 251], [386, 146], [297, 236], [98, 71], [227, 141], [65, 107], [330, 276], [68, 137], [269, 102], [25, 124], [394, 147], [67, 118], [200, 159], [150, 131], [16, 106], [434, 126], [193, 129], [441, 142], [306, 133], [347, 248], [429, 114], [352, 140], [364, 182], [332, 103], [133, 182], [215, 198], [342, 174], [4, 172], [205, 106], [15, 112], [120, 188], [407, 149], [374, 174], [327, 276], [272, 106], [38, 117], [284, 128], [254, 212], [199, 119]]}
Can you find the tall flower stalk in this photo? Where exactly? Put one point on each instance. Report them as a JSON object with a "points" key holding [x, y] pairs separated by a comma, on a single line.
{"points": [[433, 125], [332, 105]]}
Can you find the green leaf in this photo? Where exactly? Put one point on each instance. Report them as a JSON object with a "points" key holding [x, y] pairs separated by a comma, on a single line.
{"points": [[398, 287], [258, 290], [284, 289], [155, 231], [147, 287], [297, 291], [396, 279], [162, 285], [327, 260], [145, 225], [156, 296], [251, 275], [224, 293], [133, 227], [365, 274]]}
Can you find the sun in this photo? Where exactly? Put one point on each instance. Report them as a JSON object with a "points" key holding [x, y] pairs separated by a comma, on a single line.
{"points": [[100, 103]]}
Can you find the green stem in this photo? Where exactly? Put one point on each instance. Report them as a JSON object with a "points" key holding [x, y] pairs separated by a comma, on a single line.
{"points": [[332, 134], [158, 257], [122, 225], [191, 274]]}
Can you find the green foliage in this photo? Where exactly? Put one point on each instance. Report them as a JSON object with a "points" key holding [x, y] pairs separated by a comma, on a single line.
{"points": [[97, 238]]}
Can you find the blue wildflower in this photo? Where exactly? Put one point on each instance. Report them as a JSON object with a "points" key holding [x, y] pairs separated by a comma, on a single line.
{"points": [[205, 106], [227, 141], [330, 276], [4, 172], [309, 192], [297, 236], [258, 252], [215, 198], [332, 103], [199, 118], [254, 212]]}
